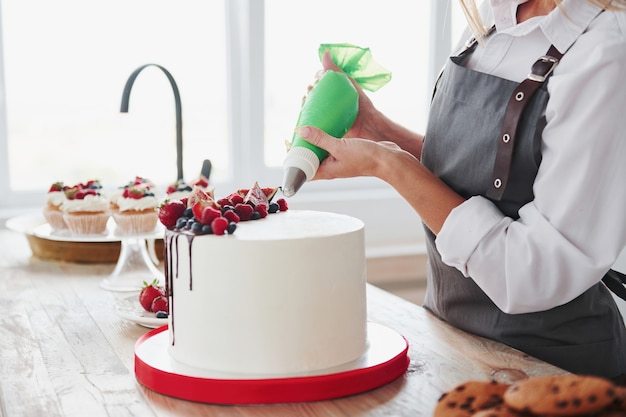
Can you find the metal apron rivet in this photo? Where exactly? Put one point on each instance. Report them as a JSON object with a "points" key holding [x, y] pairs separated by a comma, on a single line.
{"points": [[506, 138], [497, 183], [519, 96]]}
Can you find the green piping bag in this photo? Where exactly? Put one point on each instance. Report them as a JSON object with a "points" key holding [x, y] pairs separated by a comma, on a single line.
{"points": [[332, 105]]}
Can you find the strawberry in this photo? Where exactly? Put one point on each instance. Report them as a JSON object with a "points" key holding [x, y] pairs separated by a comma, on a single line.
{"points": [[219, 226], [231, 216], [170, 212], [208, 214], [198, 208], [244, 211], [282, 204], [160, 304], [149, 292]]}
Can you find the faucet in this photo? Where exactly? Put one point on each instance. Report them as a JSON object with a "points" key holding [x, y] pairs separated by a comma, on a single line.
{"points": [[179, 118]]}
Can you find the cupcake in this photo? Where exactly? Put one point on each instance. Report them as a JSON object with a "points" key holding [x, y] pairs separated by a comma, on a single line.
{"points": [[135, 208], [181, 189], [52, 211], [85, 210]]}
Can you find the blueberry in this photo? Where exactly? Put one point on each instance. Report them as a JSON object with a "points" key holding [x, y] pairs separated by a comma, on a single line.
{"points": [[255, 215], [226, 208], [181, 223], [273, 208], [196, 226], [206, 229], [188, 213], [190, 223], [161, 315], [232, 226]]}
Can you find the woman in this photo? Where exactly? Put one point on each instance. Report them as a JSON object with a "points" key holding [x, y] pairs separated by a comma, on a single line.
{"points": [[519, 260]]}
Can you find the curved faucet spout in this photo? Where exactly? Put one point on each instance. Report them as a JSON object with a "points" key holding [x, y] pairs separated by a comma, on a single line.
{"points": [[179, 118]]}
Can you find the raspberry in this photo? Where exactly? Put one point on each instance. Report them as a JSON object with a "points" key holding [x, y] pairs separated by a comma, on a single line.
{"points": [[244, 211], [219, 225], [208, 214], [262, 210], [235, 199], [231, 216], [222, 202], [282, 204]]}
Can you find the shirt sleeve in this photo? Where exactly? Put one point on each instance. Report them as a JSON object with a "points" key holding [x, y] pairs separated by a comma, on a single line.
{"points": [[572, 232]]}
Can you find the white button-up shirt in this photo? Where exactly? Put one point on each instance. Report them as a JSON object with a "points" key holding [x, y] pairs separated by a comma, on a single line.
{"points": [[572, 232]]}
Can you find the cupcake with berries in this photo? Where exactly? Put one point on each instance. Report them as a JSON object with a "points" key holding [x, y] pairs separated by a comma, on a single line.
{"points": [[85, 209], [181, 189], [52, 211], [135, 208]]}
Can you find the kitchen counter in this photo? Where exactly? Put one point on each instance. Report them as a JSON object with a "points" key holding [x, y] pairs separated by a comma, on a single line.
{"points": [[65, 352]]}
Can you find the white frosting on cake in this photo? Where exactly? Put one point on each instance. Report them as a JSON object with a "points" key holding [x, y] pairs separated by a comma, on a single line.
{"points": [[283, 295]]}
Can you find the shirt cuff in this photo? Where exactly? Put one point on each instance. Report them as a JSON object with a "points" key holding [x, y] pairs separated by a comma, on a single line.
{"points": [[463, 230]]}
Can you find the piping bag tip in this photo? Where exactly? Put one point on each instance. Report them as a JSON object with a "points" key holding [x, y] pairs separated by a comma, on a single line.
{"points": [[293, 180]]}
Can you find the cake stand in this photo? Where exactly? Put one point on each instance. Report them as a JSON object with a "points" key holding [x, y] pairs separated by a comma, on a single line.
{"points": [[136, 262], [135, 265], [385, 359]]}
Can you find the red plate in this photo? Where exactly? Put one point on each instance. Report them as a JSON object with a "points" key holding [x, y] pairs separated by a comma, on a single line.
{"points": [[385, 360]]}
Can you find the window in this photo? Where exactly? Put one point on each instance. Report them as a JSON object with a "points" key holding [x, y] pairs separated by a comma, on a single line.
{"points": [[241, 66]]}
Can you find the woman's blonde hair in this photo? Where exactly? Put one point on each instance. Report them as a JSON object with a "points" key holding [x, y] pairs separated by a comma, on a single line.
{"points": [[479, 30]]}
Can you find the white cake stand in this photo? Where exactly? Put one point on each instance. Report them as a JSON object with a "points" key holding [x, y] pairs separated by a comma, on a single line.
{"points": [[136, 263], [137, 260]]}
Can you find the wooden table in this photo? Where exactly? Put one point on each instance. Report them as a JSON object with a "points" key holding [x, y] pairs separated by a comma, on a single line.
{"points": [[65, 352]]}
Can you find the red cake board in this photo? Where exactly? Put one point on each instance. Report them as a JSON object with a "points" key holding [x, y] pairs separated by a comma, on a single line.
{"points": [[385, 359]]}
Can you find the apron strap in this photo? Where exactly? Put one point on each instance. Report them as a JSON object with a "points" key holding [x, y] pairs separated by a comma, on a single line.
{"points": [[541, 70], [615, 281]]}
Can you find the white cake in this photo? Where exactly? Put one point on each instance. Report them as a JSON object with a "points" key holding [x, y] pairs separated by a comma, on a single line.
{"points": [[282, 296]]}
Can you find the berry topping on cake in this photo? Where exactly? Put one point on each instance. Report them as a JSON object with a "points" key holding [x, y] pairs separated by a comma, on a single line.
{"points": [[204, 215], [219, 225], [170, 212], [282, 204], [149, 293], [198, 194]]}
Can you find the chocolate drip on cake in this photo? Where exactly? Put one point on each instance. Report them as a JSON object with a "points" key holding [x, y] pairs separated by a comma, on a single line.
{"points": [[171, 271]]}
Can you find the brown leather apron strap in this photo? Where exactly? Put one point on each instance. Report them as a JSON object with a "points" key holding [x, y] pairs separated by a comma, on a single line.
{"points": [[540, 71]]}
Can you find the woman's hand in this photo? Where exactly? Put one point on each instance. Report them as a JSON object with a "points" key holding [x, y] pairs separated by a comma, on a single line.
{"points": [[371, 123], [348, 157], [363, 126], [353, 157]]}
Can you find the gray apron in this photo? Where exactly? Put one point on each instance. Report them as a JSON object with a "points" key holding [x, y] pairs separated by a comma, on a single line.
{"points": [[586, 335]]}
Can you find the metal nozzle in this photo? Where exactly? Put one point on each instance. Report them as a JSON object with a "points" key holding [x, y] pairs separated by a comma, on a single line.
{"points": [[293, 180]]}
